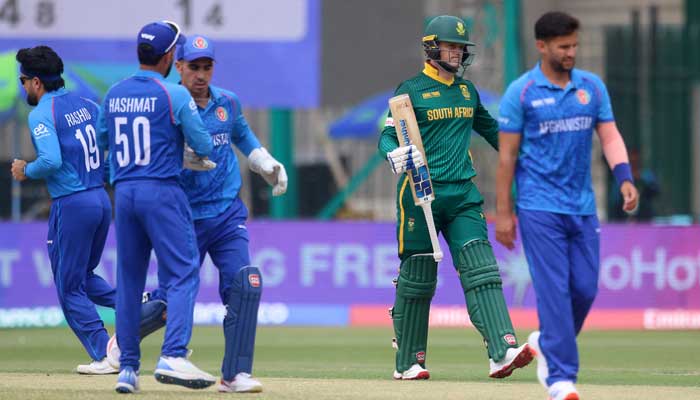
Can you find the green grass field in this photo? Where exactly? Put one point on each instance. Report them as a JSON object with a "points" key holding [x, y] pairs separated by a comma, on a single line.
{"points": [[356, 363]]}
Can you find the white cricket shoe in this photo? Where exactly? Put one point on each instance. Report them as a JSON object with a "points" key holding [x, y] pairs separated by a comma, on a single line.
{"points": [[414, 373], [101, 367], [563, 390], [113, 352], [515, 358], [542, 370], [180, 371], [241, 383]]}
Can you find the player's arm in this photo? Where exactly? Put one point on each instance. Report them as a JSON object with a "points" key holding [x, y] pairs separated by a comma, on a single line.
{"points": [[614, 148], [259, 159], [187, 116], [509, 138], [618, 160], [48, 148], [485, 125]]}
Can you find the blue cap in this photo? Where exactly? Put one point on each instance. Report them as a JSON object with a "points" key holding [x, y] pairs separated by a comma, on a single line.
{"points": [[162, 35], [196, 46]]}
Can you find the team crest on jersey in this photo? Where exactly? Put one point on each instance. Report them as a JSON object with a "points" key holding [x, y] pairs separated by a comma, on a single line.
{"points": [[254, 280], [460, 29], [221, 114], [465, 92], [200, 43], [583, 96], [411, 224]]}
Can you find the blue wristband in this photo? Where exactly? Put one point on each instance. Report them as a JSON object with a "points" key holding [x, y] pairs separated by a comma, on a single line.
{"points": [[623, 173]]}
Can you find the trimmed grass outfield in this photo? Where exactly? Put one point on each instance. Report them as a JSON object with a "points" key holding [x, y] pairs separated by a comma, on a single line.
{"points": [[356, 363]]}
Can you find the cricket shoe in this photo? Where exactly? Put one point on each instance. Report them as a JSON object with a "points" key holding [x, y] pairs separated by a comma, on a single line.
{"points": [[128, 381], [113, 352], [102, 367], [515, 358], [542, 370], [180, 371], [416, 372], [563, 390], [241, 383]]}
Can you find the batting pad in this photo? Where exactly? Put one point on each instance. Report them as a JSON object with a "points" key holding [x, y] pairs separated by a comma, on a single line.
{"points": [[240, 322], [481, 282], [411, 311], [153, 316]]}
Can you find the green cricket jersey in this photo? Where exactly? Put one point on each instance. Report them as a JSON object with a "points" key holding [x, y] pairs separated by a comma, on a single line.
{"points": [[446, 111]]}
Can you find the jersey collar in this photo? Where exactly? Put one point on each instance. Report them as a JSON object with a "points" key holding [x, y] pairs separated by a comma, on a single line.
{"points": [[432, 73], [542, 81], [49, 95]]}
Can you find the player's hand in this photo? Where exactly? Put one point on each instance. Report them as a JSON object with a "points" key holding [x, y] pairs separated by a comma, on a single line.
{"points": [[505, 230], [18, 167], [262, 163], [194, 162], [405, 158], [631, 197]]}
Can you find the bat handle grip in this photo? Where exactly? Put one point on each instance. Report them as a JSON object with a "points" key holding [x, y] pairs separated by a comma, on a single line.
{"points": [[428, 212]]}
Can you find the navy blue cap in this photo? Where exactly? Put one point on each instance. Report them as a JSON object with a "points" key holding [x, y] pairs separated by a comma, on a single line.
{"points": [[162, 35], [196, 46]]}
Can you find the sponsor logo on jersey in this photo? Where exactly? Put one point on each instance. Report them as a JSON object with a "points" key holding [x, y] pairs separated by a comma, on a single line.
{"points": [[221, 114], [542, 102], [460, 29], [200, 43], [583, 96], [220, 139], [510, 339], [431, 95], [573, 124], [465, 92], [193, 105], [420, 357], [389, 122], [41, 131], [411, 224], [254, 280]]}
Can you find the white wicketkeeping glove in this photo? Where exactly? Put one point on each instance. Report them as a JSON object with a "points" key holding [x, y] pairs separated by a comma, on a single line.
{"points": [[263, 164], [405, 158], [194, 162]]}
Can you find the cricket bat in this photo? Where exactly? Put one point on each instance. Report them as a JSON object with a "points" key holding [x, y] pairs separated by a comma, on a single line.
{"points": [[421, 185]]}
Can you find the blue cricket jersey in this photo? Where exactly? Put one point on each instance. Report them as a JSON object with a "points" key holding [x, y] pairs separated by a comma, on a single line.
{"points": [[62, 128], [211, 192], [142, 121], [553, 171]]}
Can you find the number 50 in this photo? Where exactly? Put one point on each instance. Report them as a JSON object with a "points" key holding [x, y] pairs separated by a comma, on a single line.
{"points": [[142, 147]]}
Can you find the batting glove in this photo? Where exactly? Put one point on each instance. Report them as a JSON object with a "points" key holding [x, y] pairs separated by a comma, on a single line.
{"points": [[194, 162], [263, 164], [405, 158]]}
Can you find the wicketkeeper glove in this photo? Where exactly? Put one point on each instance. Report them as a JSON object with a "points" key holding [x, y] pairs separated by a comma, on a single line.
{"points": [[263, 164], [405, 158], [194, 162]]}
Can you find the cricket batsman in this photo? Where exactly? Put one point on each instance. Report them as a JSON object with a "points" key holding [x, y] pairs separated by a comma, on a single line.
{"points": [[447, 108], [547, 118]]}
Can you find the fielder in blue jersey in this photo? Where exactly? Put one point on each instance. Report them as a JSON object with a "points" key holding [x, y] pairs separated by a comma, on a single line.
{"points": [[220, 215], [547, 118], [145, 122], [62, 128]]}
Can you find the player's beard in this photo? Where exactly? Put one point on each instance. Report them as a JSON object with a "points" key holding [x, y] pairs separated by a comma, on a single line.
{"points": [[558, 65], [32, 99]]}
